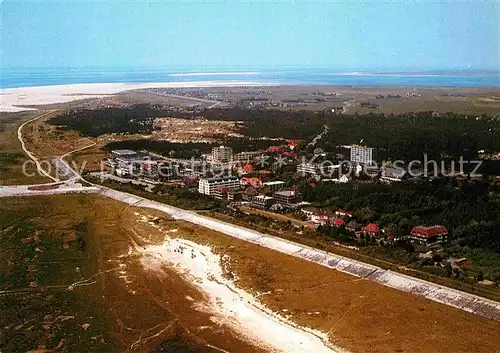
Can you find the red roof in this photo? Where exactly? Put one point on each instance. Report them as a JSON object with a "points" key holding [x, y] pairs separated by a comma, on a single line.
{"points": [[371, 228], [263, 171], [273, 149], [248, 168], [251, 181], [338, 222], [429, 232]]}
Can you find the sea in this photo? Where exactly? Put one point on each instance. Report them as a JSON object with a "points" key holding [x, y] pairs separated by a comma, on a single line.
{"points": [[24, 77]]}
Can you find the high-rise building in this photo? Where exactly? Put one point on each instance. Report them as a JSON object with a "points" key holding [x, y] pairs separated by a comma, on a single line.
{"points": [[222, 154], [361, 154]]}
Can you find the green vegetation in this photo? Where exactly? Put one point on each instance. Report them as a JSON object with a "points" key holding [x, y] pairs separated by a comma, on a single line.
{"points": [[36, 270], [135, 120]]}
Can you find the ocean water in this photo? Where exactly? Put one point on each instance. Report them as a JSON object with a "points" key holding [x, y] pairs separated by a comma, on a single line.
{"points": [[23, 77]]}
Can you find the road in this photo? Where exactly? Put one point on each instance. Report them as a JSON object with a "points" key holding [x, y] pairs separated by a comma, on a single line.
{"points": [[28, 153], [468, 302]]}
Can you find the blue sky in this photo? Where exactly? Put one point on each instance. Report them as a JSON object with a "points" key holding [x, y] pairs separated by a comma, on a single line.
{"points": [[390, 35]]}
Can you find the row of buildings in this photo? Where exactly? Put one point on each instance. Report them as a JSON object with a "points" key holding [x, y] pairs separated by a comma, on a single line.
{"points": [[422, 235]]}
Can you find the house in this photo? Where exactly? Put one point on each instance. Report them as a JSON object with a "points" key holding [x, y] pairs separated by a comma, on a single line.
{"points": [[249, 193], [342, 213], [262, 201], [391, 175], [338, 222], [287, 198], [429, 235], [273, 149], [371, 230], [319, 216], [323, 217], [247, 168], [255, 182], [292, 144], [309, 211]]}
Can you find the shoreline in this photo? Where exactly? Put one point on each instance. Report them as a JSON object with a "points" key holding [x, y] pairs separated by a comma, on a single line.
{"points": [[20, 98], [26, 98]]}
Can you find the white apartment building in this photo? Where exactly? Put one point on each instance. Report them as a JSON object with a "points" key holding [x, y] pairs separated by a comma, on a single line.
{"points": [[207, 186], [361, 154], [313, 169], [222, 154]]}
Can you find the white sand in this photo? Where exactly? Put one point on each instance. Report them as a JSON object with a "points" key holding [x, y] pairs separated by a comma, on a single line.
{"points": [[11, 99], [229, 304]]}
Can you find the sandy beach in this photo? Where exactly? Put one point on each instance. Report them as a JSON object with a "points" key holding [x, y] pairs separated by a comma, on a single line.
{"points": [[229, 304], [19, 99]]}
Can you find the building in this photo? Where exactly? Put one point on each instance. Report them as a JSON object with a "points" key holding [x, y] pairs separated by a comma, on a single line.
{"points": [[287, 198], [255, 182], [222, 154], [247, 156], [124, 154], [207, 186], [316, 169], [339, 222], [342, 213], [361, 154], [274, 185], [247, 168], [249, 193], [319, 216], [371, 230], [429, 235], [394, 175], [262, 201]]}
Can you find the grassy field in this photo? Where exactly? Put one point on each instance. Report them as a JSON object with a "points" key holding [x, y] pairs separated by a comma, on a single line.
{"points": [[69, 281], [12, 156]]}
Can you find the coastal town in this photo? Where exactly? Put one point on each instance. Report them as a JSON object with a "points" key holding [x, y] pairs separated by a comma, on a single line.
{"points": [[241, 182]]}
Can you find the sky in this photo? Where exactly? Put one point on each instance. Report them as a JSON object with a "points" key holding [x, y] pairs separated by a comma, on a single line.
{"points": [[394, 35]]}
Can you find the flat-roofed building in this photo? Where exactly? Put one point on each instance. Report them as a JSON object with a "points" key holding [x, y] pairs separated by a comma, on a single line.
{"points": [[361, 154], [124, 154], [317, 169], [222, 154], [274, 185], [207, 186], [286, 198], [246, 156], [262, 201]]}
